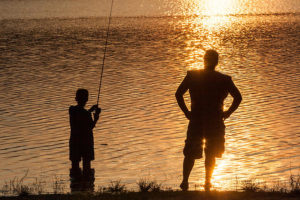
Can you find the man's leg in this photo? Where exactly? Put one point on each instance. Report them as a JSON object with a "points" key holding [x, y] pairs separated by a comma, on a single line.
{"points": [[210, 162], [188, 164]]}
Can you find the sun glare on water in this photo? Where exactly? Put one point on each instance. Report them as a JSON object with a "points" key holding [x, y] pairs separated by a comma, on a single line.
{"points": [[209, 18], [218, 7], [214, 7]]}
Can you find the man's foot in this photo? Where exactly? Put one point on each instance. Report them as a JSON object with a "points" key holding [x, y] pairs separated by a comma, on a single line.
{"points": [[184, 186], [207, 186]]}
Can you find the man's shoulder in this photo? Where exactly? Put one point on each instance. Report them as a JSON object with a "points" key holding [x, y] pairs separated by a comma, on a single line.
{"points": [[194, 73], [222, 75], [201, 72]]}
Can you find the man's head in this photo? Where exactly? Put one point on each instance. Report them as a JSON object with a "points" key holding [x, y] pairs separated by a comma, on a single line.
{"points": [[211, 58], [82, 96]]}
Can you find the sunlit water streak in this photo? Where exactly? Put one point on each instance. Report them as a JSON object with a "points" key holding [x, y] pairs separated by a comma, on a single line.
{"points": [[43, 62]]}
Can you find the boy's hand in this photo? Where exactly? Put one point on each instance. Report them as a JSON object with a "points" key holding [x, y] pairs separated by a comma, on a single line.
{"points": [[94, 107], [98, 111]]}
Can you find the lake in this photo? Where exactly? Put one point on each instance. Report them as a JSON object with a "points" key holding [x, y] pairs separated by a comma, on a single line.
{"points": [[44, 61]]}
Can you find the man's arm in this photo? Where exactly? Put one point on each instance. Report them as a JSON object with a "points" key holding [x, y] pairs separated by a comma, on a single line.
{"points": [[237, 98], [183, 87]]}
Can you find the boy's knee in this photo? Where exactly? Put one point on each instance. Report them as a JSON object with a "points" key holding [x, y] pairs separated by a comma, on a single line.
{"points": [[75, 164], [86, 164]]}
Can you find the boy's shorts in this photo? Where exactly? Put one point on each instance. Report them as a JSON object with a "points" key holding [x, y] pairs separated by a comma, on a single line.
{"points": [[81, 148], [214, 144]]}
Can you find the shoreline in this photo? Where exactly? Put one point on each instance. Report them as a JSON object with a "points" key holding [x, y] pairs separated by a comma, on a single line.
{"points": [[169, 195]]}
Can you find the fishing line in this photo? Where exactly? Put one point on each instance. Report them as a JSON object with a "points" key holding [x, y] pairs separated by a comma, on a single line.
{"points": [[105, 48]]}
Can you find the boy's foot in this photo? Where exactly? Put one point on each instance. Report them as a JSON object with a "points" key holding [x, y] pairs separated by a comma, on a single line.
{"points": [[88, 172], [184, 186], [75, 179], [75, 172]]}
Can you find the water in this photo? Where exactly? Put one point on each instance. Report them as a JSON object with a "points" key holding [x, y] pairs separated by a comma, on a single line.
{"points": [[32, 9], [44, 61]]}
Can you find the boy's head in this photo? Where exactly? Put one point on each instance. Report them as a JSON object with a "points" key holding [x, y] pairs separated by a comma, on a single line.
{"points": [[82, 96], [211, 59]]}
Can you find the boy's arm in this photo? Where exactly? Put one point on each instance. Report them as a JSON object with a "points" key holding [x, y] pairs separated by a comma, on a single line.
{"points": [[183, 87], [96, 115], [237, 99], [71, 117], [94, 107]]}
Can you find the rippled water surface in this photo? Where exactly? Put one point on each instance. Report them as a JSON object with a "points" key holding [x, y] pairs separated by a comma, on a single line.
{"points": [[43, 62]]}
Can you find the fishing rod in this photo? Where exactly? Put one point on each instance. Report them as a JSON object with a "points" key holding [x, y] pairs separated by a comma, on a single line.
{"points": [[105, 49]]}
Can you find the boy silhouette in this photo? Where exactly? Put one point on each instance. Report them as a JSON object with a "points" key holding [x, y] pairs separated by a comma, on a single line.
{"points": [[81, 140], [208, 90]]}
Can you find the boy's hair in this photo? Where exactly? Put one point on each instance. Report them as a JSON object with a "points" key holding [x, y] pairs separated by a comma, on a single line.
{"points": [[212, 57], [82, 94]]}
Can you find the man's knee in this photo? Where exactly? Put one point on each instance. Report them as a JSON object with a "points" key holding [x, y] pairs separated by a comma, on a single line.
{"points": [[210, 161], [189, 159]]}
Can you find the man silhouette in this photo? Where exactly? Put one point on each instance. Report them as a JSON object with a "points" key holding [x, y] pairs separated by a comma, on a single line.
{"points": [[208, 90]]}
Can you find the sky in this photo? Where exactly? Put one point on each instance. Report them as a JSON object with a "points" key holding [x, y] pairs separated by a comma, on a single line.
{"points": [[15, 9]]}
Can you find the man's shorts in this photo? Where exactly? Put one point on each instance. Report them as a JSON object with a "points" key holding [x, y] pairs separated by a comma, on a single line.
{"points": [[214, 144]]}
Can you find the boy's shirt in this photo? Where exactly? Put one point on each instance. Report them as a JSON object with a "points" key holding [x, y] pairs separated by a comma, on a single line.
{"points": [[81, 139], [81, 122]]}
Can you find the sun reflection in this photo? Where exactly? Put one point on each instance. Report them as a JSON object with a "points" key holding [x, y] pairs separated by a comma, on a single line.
{"points": [[214, 7], [218, 7], [210, 19], [203, 33], [216, 22]]}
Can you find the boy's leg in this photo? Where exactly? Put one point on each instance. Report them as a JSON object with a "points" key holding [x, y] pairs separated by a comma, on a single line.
{"points": [[75, 178], [210, 162], [188, 164], [75, 165], [86, 165]]}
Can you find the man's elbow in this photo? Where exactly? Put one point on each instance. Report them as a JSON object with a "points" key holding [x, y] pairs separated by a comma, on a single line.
{"points": [[178, 95], [239, 98]]}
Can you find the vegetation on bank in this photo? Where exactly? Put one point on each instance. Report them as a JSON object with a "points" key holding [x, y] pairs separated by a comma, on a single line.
{"points": [[166, 195], [250, 189]]}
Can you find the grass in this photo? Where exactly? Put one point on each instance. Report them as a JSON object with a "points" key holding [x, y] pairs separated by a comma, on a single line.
{"points": [[58, 186], [148, 186], [250, 186], [147, 189], [115, 187], [166, 195], [17, 187], [295, 184]]}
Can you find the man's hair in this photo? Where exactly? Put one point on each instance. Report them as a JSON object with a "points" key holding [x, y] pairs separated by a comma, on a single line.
{"points": [[211, 57], [82, 94]]}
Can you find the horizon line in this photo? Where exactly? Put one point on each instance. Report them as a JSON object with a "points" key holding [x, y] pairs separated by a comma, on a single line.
{"points": [[157, 16]]}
